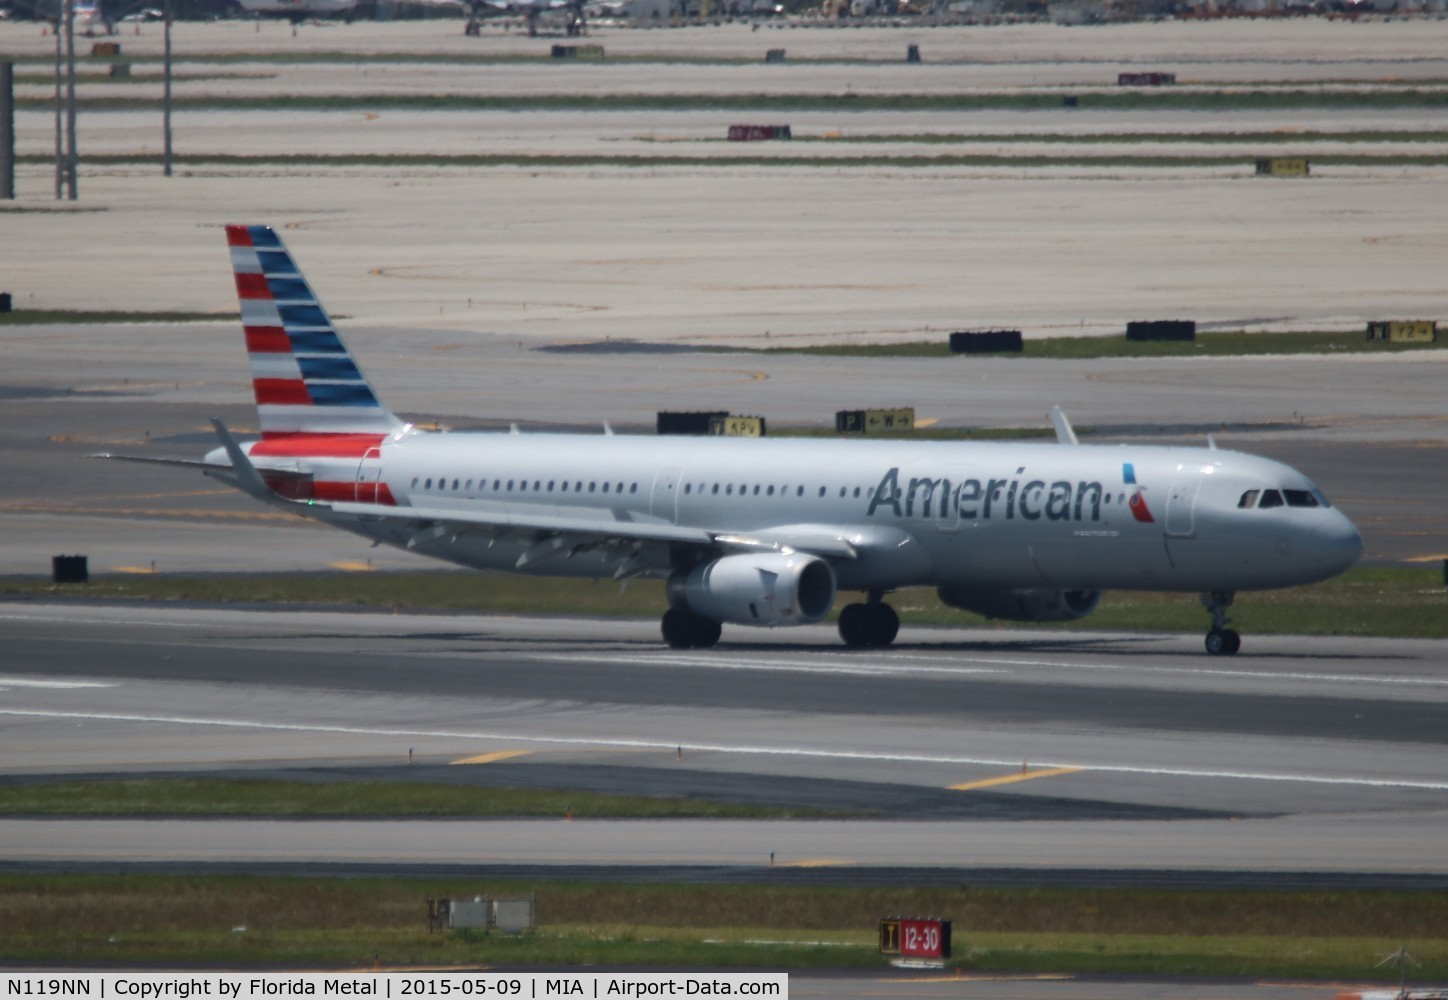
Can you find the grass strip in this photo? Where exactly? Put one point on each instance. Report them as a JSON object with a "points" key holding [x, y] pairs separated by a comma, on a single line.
{"points": [[196, 920], [46, 317], [1405, 602], [358, 799]]}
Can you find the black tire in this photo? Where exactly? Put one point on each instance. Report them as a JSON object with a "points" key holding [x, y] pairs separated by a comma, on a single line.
{"points": [[1233, 642], [884, 624], [1216, 643], [707, 632], [685, 630], [855, 625], [678, 629]]}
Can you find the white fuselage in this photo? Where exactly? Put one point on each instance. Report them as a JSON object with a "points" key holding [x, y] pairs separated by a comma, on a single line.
{"points": [[945, 514]]}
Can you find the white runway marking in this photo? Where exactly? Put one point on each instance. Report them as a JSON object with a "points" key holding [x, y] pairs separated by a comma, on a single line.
{"points": [[26, 682], [920, 663], [777, 751], [869, 668]]}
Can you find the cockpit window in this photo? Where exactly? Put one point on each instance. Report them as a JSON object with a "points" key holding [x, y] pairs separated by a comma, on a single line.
{"points": [[1249, 499], [1271, 498], [1300, 498]]}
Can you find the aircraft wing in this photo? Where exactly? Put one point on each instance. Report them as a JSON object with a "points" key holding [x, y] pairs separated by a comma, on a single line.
{"points": [[561, 535]]}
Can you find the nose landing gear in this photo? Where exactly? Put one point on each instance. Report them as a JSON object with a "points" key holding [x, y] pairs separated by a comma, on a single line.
{"points": [[1221, 641]]}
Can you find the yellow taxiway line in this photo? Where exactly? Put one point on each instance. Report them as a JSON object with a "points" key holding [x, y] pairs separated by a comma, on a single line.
{"points": [[1010, 779], [494, 757]]}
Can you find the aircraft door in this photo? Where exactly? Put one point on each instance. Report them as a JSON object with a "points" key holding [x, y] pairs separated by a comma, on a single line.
{"points": [[1181, 504], [369, 474], [665, 499]]}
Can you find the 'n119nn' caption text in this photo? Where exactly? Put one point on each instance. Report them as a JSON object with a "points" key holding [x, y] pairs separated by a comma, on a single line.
{"points": [[396, 986]]}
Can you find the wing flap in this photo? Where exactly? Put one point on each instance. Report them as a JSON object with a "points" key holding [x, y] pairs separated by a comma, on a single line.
{"points": [[575, 527]]}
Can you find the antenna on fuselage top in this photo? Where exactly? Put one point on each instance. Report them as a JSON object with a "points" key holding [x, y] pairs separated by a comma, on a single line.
{"points": [[607, 430], [1211, 442]]}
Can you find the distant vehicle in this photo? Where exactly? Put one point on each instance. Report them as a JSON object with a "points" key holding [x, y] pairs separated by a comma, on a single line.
{"points": [[575, 20], [91, 19], [762, 532], [146, 15]]}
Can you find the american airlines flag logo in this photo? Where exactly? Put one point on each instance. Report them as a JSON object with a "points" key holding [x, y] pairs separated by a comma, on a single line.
{"points": [[304, 379]]}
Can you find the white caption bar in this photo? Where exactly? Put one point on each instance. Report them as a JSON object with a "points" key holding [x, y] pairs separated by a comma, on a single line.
{"points": [[393, 985]]}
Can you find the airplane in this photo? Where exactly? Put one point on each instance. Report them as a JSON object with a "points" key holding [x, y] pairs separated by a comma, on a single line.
{"points": [[296, 10], [762, 531], [575, 20]]}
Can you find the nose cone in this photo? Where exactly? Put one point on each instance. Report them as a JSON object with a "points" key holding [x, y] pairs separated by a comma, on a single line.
{"points": [[1336, 544]]}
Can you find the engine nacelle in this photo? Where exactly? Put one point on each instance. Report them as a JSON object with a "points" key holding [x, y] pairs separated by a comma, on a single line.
{"points": [[769, 589], [1023, 605]]}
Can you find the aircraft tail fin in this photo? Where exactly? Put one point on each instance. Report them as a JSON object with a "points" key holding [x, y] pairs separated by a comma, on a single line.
{"points": [[305, 379]]}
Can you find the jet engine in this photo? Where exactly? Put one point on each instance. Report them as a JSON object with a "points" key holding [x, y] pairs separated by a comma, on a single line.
{"points": [[770, 589], [1023, 605]]}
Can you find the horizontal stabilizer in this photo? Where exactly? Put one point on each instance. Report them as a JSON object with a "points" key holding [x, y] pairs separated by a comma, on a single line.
{"points": [[192, 463]]}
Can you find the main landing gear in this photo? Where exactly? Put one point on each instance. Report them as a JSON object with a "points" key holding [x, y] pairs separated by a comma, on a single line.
{"points": [[685, 630], [1221, 641], [872, 624]]}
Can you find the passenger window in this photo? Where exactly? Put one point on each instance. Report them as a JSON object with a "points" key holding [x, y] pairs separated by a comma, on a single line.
{"points": [[468, 486], [427, 485], [578, 487], [633, 487], [842, 492], [756, 490], [857, 492], [714, 489], [729, 490], [414, 482], [1249, 499], [592, 487], [688, 489], [564, 484], [605, 487], [497, 484], [822, 491], [769, 492], [799, 491], [1271, 498], [1300, 498], [550, 486]]}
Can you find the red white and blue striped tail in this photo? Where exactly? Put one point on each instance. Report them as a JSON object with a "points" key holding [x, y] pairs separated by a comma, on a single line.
{"points": [[305, 379]]}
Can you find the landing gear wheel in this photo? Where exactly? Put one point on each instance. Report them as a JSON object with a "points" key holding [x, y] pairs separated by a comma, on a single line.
{"points": [[874, 624], [855, 625], [1234, 641], [686, 630], [884, 624], [1223, 642]]}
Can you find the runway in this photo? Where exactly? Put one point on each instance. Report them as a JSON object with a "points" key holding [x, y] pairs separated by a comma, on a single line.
{"points": [[977, 749]]}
